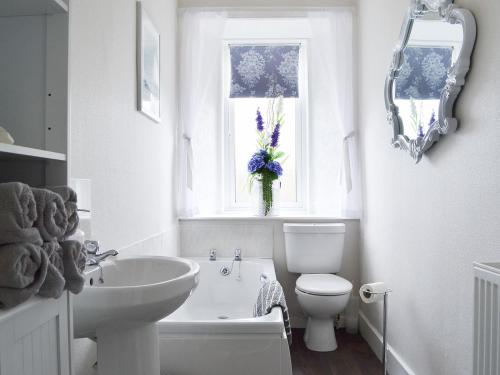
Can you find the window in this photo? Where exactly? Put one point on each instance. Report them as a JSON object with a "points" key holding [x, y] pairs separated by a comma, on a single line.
{"points": [[240, 134], [218, 132]]}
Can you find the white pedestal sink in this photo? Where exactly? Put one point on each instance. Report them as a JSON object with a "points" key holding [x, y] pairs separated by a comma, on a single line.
{"points": [[122, 311]]}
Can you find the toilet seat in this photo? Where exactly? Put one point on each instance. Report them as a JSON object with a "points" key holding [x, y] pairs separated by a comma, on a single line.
{"points": [[323, 285]]}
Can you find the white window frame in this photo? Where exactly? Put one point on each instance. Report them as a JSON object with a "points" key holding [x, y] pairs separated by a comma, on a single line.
{"points": [[301, 132]]}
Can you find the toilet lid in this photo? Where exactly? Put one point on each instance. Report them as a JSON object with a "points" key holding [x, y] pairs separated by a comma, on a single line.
{"points": [[323, 284]]}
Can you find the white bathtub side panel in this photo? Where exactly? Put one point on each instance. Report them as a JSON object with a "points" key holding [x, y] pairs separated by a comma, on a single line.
{"points": [[242, 354], [34, 339], [286, 359]]}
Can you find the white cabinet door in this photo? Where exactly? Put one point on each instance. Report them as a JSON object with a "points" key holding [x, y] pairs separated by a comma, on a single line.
{"points": [[34, 338]]}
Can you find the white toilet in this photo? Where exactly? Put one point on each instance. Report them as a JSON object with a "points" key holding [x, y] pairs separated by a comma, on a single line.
{"points": [[315, 251]]}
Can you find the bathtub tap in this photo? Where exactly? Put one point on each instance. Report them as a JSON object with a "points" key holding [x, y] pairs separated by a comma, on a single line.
{"points": [[213, 255], [237, 255]]}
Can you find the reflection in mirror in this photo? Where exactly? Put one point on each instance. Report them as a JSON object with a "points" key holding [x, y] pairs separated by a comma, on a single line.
{"points": [[433, 47], [430, 62]]}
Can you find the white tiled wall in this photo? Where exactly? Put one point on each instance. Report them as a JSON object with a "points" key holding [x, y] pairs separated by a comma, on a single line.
{"points": [[158, 244], [254, 239]]}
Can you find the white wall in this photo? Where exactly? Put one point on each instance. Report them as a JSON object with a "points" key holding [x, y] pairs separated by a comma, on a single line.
{"points": [[128, 157], [263, 238], [425, 224]]}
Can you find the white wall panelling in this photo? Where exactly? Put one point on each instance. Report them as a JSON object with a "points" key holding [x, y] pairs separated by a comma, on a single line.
{"points": [[34, 338]]}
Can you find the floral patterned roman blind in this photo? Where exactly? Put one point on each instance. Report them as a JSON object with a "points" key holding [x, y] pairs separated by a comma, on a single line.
{"points": [[264, 71], [423, 73]]}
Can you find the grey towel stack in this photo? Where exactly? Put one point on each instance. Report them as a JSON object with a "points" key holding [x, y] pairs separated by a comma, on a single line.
{"points": [[32, 261], [57, 220], [271, 295], [23, 264]]}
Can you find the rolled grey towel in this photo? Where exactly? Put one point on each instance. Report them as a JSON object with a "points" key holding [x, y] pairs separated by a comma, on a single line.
{"points": [[52, 220], [74, 259], [17, 214], [23, 268], [53, 286], [70, 199]]}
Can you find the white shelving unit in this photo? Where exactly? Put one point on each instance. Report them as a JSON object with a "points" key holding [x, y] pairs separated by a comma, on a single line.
{"points": [[34, 96], [12, 152], [36, 336], [11, 8]]}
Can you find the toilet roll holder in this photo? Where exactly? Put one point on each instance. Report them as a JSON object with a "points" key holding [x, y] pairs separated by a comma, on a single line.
{"points": [[368, 294]]}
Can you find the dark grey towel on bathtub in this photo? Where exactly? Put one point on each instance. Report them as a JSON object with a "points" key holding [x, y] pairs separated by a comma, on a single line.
{"points": [[52, 220], [271, 295], [17, 214]]}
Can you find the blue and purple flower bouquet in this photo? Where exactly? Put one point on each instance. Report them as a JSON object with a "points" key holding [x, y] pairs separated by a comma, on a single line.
{"points": [[264, 165]]}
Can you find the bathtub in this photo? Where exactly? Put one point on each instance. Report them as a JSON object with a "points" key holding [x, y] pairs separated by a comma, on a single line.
{"points": [[215, 333]]}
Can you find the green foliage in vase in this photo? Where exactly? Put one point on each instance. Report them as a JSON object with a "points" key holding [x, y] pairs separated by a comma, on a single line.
{"points": [[264, 165]]}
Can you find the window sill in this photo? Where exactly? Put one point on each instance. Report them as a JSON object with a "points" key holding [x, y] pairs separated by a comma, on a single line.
{"points": [[246, 217]]}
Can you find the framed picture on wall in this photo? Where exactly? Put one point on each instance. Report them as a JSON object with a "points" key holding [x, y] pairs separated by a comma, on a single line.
{"points": [[148, 66]]}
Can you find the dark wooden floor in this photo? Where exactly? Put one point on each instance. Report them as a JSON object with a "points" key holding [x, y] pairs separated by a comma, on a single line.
{"points": [[352, 357]]}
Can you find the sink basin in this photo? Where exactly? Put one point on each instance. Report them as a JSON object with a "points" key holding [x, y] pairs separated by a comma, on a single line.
{"points": [[120, 304]]}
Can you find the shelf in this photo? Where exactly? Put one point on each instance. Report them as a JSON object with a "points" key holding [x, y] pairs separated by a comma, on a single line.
{"points": [[10, 152], [11, 8]]}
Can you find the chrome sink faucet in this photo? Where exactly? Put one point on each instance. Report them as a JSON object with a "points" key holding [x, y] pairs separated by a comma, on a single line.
{"points": [[93, 255]]}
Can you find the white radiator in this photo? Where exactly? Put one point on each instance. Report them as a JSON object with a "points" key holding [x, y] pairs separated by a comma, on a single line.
{"points": [[486, 319]]}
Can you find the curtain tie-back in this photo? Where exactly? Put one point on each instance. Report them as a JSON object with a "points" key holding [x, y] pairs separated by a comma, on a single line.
{"points": [[189, 160], [345, 177]]}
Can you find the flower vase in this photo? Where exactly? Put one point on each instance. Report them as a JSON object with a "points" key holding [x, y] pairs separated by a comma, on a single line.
{"points": [[259, 202]]}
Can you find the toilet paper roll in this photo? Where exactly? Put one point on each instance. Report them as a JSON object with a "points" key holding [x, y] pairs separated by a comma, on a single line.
{"points": [[372, 292]]}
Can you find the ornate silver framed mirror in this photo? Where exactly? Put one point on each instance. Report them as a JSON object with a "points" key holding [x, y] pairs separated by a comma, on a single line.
{"points": [[430, 62]]}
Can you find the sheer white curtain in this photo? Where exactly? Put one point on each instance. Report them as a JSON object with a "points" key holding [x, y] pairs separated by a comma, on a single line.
{"points": [[331, 64], [200, 73]]}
